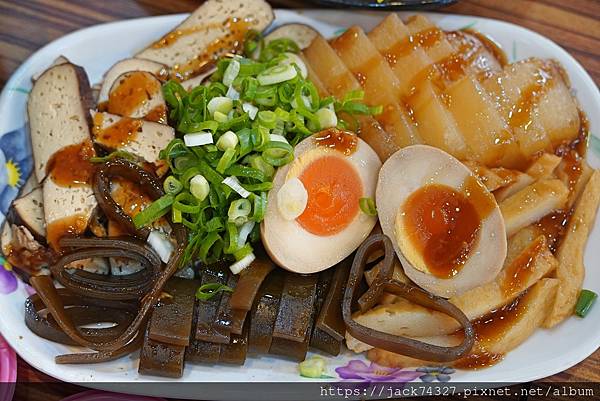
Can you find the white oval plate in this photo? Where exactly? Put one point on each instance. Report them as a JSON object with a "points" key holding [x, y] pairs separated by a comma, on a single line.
{"points": [[547, 352]]}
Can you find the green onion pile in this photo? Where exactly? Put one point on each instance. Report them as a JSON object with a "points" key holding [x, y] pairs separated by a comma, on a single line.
{"points": [[232, 134]]}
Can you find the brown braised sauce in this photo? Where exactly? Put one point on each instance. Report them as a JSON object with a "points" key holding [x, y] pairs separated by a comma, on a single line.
{"points": [[132, 92], [30, 261], [478, 361], [553, 226], [521, 269], [118, 134], [424, 39], [443, 225], [157, 115], [521, 113], [491, 327], [230, 43], [71, 166], [130, 196], [67, 226], [342, 141]]}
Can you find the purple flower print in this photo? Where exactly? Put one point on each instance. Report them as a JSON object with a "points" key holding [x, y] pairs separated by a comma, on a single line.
{"points": [[8, 281], [358, 370], [431, 374]]}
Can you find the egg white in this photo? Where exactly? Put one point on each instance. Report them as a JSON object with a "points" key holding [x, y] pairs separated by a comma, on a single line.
{"points": [[294, 248], [410, 169]]}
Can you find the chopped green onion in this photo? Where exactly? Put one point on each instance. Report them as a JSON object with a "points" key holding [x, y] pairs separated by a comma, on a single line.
{"points": [[278, 153], [277, 74], [233, 131], [227, 141], [260, 206], [199, 187], [113, 155], [176, 215], [226, 160], [154, 211], [209, 290], [222, 104], [250, 109], [367, 205], [242, 252], [231, 73], [197, 139], [245, 231], [239, 210], [327, 118], [220, 117], [257, 162], [243, 263], [187, 203], [234, 184], [585, 302], [294, 59], [172, 185], [232, 238], [313, 367]]}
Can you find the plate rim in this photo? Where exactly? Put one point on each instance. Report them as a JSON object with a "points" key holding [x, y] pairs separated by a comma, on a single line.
{"points": [[18, 73]]}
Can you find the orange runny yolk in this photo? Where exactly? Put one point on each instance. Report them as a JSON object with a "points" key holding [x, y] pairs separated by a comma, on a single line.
{"points": [[334, 190]]}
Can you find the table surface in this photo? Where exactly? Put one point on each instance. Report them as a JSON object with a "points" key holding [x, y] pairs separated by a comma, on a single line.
{"points": [[27, 25]]}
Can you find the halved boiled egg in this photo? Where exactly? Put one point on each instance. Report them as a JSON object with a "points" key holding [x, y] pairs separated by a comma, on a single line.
{"points": [[313, 219], [446, 227]]}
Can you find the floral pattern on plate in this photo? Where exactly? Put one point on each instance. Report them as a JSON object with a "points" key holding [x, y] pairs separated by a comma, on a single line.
{"points": [[16, 164]]}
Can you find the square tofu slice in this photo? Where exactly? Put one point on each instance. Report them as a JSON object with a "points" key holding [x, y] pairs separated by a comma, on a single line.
{"points": [[378, 81], [142, 138]]}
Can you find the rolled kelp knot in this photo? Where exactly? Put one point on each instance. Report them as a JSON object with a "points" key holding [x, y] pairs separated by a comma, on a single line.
{"points": [[130, 171], [132, 286], [384, 282]]}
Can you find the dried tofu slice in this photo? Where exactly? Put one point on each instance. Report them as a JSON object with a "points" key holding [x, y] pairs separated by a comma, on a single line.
{"points": [[378, 81], [213, 29]]}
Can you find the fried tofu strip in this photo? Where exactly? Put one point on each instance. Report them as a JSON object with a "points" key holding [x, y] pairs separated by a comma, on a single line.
{"points": [[527, 315], [532, 203], [571, 270], [544, 166], [529, 261]]}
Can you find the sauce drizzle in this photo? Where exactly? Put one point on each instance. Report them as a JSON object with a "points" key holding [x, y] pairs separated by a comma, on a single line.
{"points": [[342, 141], [133, 91], [67, 226], [71, 166], [118, 134]]}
